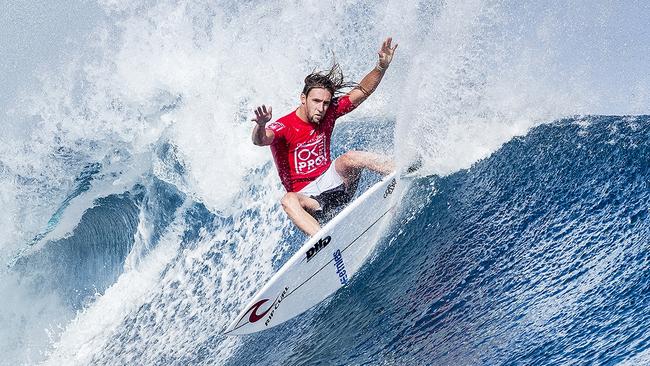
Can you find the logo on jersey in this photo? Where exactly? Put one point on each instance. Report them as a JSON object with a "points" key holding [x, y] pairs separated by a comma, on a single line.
{"points": [[275, 126], [311, 155]]}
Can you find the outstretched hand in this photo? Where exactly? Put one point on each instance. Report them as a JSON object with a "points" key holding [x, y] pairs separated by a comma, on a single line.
{"points": [[262, 115], [386, 53]]}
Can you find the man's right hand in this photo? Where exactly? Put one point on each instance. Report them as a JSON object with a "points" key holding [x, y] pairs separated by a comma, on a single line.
{"points": [[261, 135], [262, 115]]}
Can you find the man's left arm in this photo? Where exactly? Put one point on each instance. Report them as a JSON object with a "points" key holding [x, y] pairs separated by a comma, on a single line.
{"points": [[370, 82]]}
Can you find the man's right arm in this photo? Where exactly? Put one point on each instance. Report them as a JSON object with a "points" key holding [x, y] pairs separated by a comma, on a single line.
{"points": [[261, 135]]}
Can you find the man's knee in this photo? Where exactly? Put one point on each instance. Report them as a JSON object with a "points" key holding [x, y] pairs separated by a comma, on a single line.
{"points": [[350, 160], [290, 200]]}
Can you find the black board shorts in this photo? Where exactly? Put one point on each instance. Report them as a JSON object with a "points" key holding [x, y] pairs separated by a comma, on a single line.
{"points": [[332, 201]]}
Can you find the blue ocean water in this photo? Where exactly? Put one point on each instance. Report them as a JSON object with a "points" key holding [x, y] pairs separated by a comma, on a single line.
{"points": [[538, 254]]}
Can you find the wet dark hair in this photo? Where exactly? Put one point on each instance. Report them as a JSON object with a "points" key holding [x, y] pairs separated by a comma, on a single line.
{"points": [[331, 80]]}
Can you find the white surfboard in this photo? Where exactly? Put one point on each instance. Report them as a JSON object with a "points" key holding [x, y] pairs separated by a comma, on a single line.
{"points": [[325, 263]]}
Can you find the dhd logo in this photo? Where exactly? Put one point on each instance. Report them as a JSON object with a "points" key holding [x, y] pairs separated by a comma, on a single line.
{"points": [[310, 155], [322, 243]]}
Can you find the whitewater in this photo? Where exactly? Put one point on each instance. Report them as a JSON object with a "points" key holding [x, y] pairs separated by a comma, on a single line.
{"points": [[138, 218]]}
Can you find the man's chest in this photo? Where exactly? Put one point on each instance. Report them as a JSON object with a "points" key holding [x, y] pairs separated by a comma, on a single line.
{"points": [[308, 149]]}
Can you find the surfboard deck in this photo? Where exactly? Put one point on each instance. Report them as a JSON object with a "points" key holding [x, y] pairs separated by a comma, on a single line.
{"points": [[325, 263]]}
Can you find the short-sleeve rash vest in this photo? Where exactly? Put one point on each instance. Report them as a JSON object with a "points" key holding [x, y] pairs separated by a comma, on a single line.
{"points": [[301, 150]]}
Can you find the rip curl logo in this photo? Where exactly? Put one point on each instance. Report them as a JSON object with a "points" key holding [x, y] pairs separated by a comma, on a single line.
{"points": [[311, 155], [253, 310], [275, 306], [254, 314]]}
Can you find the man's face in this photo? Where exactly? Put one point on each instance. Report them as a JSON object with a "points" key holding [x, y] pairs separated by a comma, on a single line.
{"points": [[316, 103]]}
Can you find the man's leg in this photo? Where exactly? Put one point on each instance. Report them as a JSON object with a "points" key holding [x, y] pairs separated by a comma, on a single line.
{"points": [[350, 165], [297, 206]]}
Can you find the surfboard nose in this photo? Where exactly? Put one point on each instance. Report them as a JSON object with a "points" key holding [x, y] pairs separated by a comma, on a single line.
{"points": [[253, 313], [232, 330], [237, 327]]}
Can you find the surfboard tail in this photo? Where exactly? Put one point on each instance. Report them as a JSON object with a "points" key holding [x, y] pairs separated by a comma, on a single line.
{"points": [[412, 170]]}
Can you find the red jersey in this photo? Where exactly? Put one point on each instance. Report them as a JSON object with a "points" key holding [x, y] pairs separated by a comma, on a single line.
{"points": [[301, 150]]}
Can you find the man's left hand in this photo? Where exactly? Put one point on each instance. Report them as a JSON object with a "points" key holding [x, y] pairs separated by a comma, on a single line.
{"points": [[386, 53]]}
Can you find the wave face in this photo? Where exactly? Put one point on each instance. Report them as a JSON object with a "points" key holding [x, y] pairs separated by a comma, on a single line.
{"points": [[137, 218], [536, 255]]}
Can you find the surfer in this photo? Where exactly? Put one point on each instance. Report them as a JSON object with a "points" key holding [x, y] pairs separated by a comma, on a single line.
{"points": [[300, 143]]}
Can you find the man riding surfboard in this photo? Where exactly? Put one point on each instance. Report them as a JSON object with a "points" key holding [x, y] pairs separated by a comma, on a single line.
{"points": [[300, 143]]}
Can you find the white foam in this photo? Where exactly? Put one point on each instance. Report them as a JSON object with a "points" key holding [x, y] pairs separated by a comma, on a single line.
{"points": [[29, 315], [488, 71]]}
